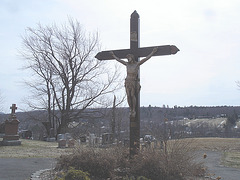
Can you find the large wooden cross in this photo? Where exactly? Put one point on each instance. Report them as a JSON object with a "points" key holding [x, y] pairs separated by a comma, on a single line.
{"points": [[137, 52]]}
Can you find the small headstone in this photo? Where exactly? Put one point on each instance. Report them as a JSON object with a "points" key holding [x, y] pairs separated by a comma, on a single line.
{"points": [[60, 136], [107, 138], [2, 128], [92, 138], [68, 136], [26, 134], [83, 139], [62, 143], [71, 143]]}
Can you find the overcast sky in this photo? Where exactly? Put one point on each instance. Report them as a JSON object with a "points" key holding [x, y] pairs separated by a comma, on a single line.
{"points": [[207, 32]]}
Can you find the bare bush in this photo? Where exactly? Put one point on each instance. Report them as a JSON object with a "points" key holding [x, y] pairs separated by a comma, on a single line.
{"points": [[99, 163], [178, 162]]}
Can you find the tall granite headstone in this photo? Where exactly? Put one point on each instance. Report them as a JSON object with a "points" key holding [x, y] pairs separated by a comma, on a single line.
{"points": [[11, 137]]}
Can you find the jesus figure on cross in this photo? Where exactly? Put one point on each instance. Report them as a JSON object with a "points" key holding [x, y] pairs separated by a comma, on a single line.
{"points": [[132, 85]]}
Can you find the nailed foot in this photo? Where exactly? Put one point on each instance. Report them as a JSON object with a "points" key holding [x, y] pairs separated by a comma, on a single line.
{"points": [[132, 113]]}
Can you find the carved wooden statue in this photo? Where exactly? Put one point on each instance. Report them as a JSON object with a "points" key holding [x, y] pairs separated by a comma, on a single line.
{"points": [[132, 85]]}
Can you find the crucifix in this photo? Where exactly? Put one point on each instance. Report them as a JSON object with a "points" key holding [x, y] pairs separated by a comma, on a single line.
{"points": [[132, 80]]}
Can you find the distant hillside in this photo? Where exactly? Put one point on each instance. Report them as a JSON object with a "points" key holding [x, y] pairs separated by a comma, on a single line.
{"points": [[191, 112], [196, 121], [147, 113]]}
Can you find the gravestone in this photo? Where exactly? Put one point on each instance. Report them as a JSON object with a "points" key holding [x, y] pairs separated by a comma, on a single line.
{"points": [[26, 134], [65, 140], [83, 139], [68, 136], [107, 138], [2, 129], [92, 138], [11, 137], [60, 136], [62, 143]]}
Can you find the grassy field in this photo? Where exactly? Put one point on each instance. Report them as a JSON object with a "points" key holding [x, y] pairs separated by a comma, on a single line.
{"points": [[30, 148], [217, 144], [231, 159], [230, 147]]}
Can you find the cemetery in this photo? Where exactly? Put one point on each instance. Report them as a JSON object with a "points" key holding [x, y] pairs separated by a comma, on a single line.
{"points": [[113, 141]]}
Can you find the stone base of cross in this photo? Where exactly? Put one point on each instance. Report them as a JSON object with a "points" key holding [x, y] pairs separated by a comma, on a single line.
{"points": [[132, 80]]}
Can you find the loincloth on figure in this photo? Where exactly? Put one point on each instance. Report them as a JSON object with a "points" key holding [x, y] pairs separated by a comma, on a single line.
{"points": [[132, 85]]}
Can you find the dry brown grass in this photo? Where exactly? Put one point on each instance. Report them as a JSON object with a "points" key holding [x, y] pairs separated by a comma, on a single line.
{"points": [[231, 159], [229, 146], [216, 144], [32, 148]]}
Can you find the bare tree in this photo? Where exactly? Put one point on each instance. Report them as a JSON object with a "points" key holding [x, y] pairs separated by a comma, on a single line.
{"points": [[66, 76], [116, 117]]}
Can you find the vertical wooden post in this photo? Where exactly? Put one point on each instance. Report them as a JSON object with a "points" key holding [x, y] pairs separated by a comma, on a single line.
{"points": [[135, 120]]}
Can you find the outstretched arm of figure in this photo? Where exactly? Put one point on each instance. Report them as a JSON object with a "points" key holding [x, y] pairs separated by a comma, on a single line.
{"points": [[118, 59], [149, 56]]}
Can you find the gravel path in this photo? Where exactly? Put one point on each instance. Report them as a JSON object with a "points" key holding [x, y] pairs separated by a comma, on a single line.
{"points": [[213, 162], [22, 168]]}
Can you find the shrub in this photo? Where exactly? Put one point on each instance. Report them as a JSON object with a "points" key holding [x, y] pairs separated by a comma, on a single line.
{"points": [[133, 178], [101, 163], [73, 174], [176, 161]]}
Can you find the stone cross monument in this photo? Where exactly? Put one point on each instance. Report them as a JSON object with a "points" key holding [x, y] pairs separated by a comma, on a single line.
{"points": [[11, 137], [132, 80]]}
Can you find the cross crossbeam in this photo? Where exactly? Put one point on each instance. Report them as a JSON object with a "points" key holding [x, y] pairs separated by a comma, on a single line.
{"points": [[141, 52], [13, 108]]}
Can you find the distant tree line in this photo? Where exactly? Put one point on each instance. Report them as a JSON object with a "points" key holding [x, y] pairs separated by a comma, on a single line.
{"points": [[154, 120]]}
